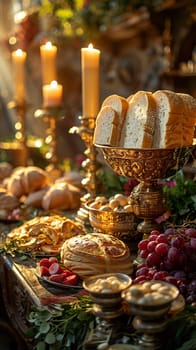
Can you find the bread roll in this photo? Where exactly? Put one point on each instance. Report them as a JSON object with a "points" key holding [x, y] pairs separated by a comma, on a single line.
{"points": [[61, 196], [5, 170], [71, 177], [138, 128], [95, 253], [34, 199], [7, 200], [25, 180], [107, 127]]}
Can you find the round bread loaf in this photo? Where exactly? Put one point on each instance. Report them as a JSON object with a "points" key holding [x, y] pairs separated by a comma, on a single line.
{"points": [[95, 253]]}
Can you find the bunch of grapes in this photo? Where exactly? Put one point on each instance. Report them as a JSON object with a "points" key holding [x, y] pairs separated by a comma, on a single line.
{"points": [[170, 256]]}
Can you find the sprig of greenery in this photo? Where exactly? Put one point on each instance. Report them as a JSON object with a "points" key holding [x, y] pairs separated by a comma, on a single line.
{"points": [[181, 198], [62, 326], [181, 330]]}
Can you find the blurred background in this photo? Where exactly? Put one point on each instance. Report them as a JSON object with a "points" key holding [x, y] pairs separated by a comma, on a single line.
{"points": [[145, 45]]}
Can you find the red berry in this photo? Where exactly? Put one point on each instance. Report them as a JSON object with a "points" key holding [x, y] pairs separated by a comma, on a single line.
{"points": [[58, 278], [71, 280], [66, 274], [44, 271], [53, 259], [54, 268], [44, 262]]}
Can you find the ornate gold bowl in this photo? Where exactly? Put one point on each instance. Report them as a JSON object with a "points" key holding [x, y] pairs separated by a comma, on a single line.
{"points": [[120, 224], [147, 166]]}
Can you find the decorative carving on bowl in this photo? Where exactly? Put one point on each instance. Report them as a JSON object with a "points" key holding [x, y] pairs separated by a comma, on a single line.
{"points": [[147, 166]]}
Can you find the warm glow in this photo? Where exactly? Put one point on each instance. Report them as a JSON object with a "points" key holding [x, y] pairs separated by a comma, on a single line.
{"points": [[53, 83], [48, 45], [19, 52], [38, 143], [90, 46], [19, 16]]}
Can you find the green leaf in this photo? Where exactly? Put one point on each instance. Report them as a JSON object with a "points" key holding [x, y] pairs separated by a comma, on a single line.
{"points": [[50, 338], [41, 346], [59, 337], [44, 328]]}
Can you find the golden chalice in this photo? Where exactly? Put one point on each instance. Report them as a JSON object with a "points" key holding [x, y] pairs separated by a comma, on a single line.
{"points": [[147, 166]]}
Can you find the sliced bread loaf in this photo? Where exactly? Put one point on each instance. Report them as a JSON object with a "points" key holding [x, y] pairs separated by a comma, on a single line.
{"points": [[168, 125], [107, 127], [189, 118], [120, 105], [138, 127]]}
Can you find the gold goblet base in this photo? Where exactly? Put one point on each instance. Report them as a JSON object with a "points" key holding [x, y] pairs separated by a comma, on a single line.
{"points": [[148, 203]]}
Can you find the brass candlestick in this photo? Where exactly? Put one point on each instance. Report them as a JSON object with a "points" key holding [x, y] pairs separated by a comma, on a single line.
{"points": [[20, 135], [50, 116], [86, 132]]}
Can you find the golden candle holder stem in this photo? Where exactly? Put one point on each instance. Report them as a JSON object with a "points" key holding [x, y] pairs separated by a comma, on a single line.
{"points": [[86, 132], [50, 116], [20, 128]]}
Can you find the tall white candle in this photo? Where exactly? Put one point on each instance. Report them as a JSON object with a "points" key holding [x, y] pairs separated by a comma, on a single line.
{"points": [[90, 61], [18, 62], [52, 94], [48, 62]]}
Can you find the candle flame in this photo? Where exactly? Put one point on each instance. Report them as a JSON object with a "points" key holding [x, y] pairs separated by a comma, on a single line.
{"points": [[53, 83], [19, 52], [48, 45], [90, 46]]}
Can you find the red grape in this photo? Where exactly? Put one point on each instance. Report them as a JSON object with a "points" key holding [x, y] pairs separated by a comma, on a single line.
{"points": [[139, 279], [143, 271], [142, 245], [193, 243], [160, 275], [144, 254], [155, 232], [162, 238], [177, 242], [191, 232], [151, 246], [173, 254], [152, 238], [162, 249], [153, 259], [151, 272]]}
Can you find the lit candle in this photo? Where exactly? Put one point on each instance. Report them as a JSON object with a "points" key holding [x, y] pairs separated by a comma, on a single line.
{"points": [[90, 81], [48, 62], [52, 94], [18, 62]]}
